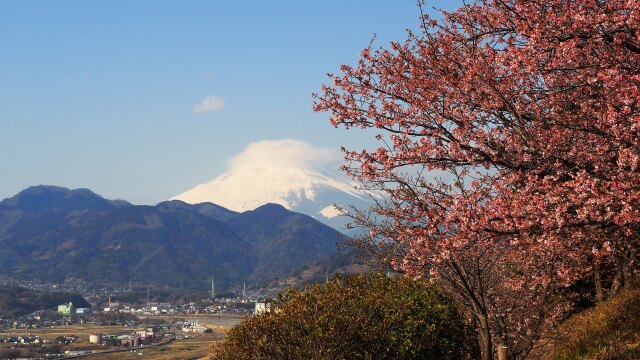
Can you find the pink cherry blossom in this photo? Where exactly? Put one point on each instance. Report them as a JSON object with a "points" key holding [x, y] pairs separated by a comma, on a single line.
{"points": [[528, 114]]}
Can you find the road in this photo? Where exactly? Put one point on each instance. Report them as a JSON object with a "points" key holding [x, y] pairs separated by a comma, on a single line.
{"points": [[162, 343]]}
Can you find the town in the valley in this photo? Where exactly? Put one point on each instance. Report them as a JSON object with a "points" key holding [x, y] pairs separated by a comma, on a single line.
{"points": [[115, 325]]}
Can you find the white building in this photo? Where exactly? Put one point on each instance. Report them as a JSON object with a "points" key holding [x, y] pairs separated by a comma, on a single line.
{"points": [[95, 338], [261, 308], [194, 328]]}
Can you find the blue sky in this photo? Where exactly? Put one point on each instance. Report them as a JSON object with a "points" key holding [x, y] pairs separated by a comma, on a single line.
{"points": [[101, 94]]}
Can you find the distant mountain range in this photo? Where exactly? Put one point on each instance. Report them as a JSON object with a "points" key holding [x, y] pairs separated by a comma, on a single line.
{"points": [[52, 234]]}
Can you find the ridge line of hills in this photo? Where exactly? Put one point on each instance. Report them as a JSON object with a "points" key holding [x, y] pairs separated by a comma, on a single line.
{"points": [[52, 233]]}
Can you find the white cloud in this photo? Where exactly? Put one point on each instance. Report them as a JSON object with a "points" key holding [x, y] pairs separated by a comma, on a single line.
{"points": [[285, 153], [209, 103], [287, 172]]}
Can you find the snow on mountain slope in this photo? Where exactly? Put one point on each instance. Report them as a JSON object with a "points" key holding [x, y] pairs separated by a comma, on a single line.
{"points": [[246, 189], [287, 172]]}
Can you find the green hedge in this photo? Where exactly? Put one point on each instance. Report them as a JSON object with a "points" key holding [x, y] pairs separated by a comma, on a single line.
{"points": [[354, 317]]}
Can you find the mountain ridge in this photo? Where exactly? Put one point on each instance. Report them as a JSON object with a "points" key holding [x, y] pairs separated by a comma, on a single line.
{"points": [[52, 197], [272, 228], [54, 233]]}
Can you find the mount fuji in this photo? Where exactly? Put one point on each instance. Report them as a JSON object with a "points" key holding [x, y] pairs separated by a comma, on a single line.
{"points": [[286, 172]]}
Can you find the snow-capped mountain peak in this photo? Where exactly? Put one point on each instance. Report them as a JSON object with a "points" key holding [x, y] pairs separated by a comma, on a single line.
{"points": [[246, 189], [287, 172]]}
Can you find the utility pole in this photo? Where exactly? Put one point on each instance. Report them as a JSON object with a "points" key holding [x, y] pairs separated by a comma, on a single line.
{"points": [[148, 299], [244, 290], [213, 289]]}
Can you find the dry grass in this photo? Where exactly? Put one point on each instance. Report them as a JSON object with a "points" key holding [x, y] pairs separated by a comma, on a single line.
{"points": [[610, 331]]}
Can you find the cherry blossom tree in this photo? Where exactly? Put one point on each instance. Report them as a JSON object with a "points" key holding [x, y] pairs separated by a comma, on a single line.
{"points": [[529, 113]]}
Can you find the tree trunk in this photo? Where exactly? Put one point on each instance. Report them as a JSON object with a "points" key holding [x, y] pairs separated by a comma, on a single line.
{"points": [[599, 288], [616, 284], [486, 345], [622, 277]]}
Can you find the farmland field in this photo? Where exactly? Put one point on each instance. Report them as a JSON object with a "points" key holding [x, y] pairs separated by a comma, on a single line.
{"points": [[186, 346]]}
